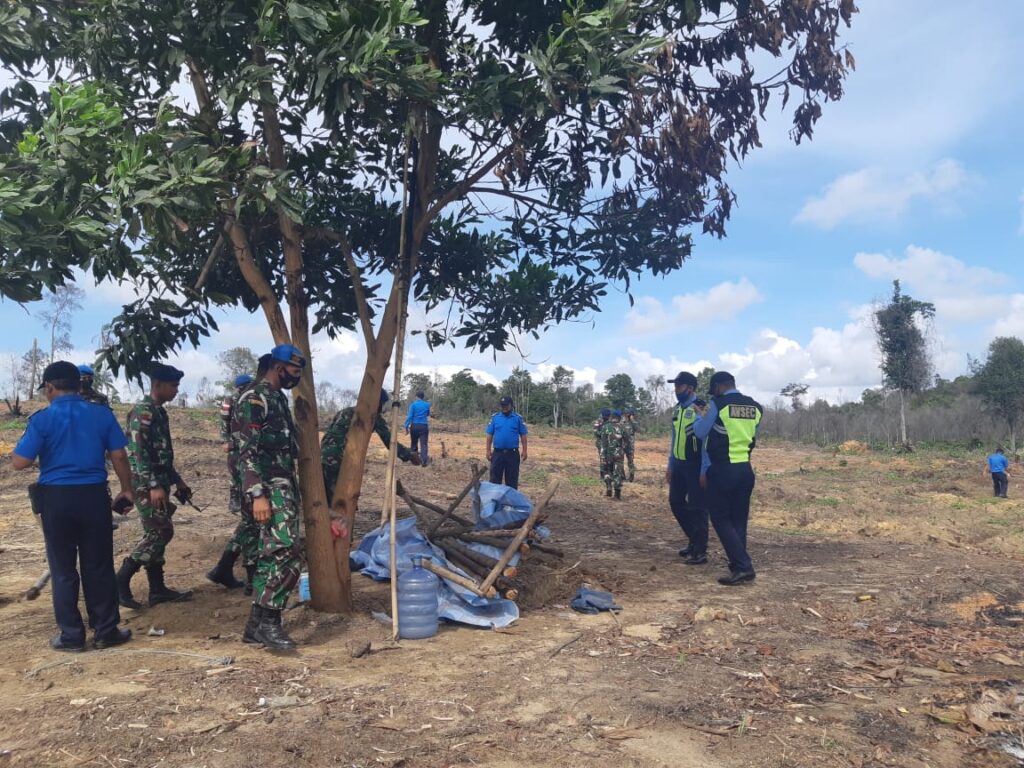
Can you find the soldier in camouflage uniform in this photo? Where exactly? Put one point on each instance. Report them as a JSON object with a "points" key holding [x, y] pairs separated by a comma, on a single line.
{"points": [[246, 536], [612, 453], [85, 390], [332, 446], [598, 427], [151, 456], [629, 432], [262, 426]]}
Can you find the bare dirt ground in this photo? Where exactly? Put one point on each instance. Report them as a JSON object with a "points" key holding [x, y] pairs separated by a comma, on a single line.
{"points": [[884, 629]]}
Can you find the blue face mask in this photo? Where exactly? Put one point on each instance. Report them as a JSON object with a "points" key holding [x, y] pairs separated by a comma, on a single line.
{"points": [[681, 398]]}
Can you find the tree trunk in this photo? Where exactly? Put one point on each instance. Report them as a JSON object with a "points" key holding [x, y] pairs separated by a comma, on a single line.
{"points": [[903, 419], [1013, 436]]}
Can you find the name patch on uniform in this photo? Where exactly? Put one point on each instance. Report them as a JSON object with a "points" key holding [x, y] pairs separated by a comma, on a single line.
{"points": [[742, 412], [688, 413]]}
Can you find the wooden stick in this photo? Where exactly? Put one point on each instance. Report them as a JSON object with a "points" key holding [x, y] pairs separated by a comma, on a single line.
{"points": [[476, 487], [450, 512], [462, 581], [548, 549], [521, 536], [524, 548], [416, 501], [469, 566]]}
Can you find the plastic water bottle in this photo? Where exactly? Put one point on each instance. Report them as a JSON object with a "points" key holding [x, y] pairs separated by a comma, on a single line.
{"points": [[417, 603], [303, 588]]}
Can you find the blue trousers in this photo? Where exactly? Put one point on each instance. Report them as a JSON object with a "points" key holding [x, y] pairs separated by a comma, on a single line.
{"points": [[729, 489], [1000, 484], [418, 434], [688, 505], [76, 526], [505, 466]]}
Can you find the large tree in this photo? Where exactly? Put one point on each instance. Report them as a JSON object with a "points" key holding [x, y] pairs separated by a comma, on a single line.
{"points": [[502, 162], [906, 363], [621, 390], [1000, 382]]}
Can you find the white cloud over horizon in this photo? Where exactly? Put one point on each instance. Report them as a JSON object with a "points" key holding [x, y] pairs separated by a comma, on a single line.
{"points": [[872, 194], [724, 301]]}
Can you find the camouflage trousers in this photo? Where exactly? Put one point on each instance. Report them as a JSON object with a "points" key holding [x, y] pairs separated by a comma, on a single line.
{"points": [[279, 555], [245, 541], [157, 527], [612, 472], [331, 468], [629, 460]]}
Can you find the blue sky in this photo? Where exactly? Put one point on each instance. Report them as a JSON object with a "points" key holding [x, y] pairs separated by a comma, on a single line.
{"points": [[916, 174]]}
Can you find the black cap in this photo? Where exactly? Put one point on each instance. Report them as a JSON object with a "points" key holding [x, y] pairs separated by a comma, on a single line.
{"points": [[506, 400], [684, 377], [162, 372], [721, 377], [62, 374]]}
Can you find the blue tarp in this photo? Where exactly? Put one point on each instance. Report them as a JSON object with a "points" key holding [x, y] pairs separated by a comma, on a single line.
{"points": [[502, 507], [455, 603]]}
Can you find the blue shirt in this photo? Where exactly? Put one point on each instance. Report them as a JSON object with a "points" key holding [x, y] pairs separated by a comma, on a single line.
{"points": [[702, 428], [70, 438], [997, 462], [506, 430], [672, 460], [419, 412]]}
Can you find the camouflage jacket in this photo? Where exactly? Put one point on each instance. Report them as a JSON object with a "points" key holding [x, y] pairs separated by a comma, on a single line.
{"points": [[598, 426], [150, 452], [613, 440], [227, 406], [628, 434], [332, 447], [92, 396], [264, 433]]}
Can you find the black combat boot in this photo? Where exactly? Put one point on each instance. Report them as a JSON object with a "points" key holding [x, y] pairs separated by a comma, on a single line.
{"points": [[618, 494], [129, 567], [270, 633], [608, 492], [632, 475], [249, 633], [160, 592], [222, 573], [250, 574]]}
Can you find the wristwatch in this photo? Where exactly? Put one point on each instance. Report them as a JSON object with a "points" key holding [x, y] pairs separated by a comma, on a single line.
{"points": [[153, 484], [256, 493]]}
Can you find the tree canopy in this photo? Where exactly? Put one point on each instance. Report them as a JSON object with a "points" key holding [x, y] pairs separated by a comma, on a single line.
{"points": [[1000, 382]]}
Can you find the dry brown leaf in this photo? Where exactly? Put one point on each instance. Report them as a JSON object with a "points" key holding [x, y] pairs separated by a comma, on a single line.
{"points": [[944, 665], [1005, 660], [993, 711], [949, 717], [390, 724], [619, 734], [889, 674]]}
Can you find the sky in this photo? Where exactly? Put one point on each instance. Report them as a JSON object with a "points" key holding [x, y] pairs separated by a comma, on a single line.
{"points": [[916, 174]]}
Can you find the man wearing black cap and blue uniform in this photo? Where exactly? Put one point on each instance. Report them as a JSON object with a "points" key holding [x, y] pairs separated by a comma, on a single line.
{"points": [[151, 455], [685, 496], [71, 439], [730, 429], [504, 431]]}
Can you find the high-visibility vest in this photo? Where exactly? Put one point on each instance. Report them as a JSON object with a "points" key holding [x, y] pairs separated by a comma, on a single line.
{"points": [[685, 445], [732, 437]]}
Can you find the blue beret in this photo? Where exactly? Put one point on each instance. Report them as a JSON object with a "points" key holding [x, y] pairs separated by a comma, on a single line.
{"points": [[617, 413], [162, 372], [242, 379], [606, 412], [85, 370], [288, 353]]}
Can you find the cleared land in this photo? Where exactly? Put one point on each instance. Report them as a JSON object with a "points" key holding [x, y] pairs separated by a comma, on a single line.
{"points": [[884, 629]]}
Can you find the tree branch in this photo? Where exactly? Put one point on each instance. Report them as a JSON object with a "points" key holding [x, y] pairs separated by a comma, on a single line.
{"points": [[257, 281], [362, 305], [461, 189]]}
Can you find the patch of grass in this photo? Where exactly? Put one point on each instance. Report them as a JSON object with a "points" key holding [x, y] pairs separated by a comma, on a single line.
{"points": [[787, 531], [585, 481], [535, 477], [829, 501]]}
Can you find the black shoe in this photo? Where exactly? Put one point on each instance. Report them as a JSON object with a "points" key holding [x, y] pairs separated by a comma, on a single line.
{"points": [[696, 559], [686, 551], [160, 592], [249, 633], [129, 567], [632, 476], [109, 640], [270, 633], [250, 574], [58, 643], [223, 572], [608, 492], [618, 494], [736, 577]]}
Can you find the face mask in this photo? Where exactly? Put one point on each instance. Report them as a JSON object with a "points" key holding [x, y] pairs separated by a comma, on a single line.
{"points": [[682, 398], [288, 381]]}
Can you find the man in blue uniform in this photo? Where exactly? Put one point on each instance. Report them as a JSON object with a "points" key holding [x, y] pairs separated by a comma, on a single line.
{"points": [[417, 426], [71, 438], [685, 496], [504, 431], [729, 429], [998, 466]]}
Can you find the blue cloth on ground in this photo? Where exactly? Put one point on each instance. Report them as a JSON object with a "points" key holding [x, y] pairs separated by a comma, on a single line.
{"points": [[593, 601], [502, 507], [455, 603]]}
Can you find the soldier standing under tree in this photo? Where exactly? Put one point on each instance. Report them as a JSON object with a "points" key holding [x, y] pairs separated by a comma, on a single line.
{"points": [[85, 390], [246, 535], [613, 442], [151, 455], [629, 434], [267, 463], [332, 446]]}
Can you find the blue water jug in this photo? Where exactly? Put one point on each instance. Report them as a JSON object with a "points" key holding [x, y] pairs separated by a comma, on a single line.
{"points": [[417, 603]]}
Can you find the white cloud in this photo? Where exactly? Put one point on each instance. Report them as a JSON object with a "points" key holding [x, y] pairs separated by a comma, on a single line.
{"points": [[721, 302], [872, 194], [585, 375], [1012, 322]]}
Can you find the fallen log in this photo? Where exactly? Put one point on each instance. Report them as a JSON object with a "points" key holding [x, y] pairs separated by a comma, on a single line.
{"points": [[462, 581]]}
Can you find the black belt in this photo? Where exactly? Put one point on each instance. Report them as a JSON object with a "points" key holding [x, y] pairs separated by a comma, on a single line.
{"points": [[506, 450]]}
